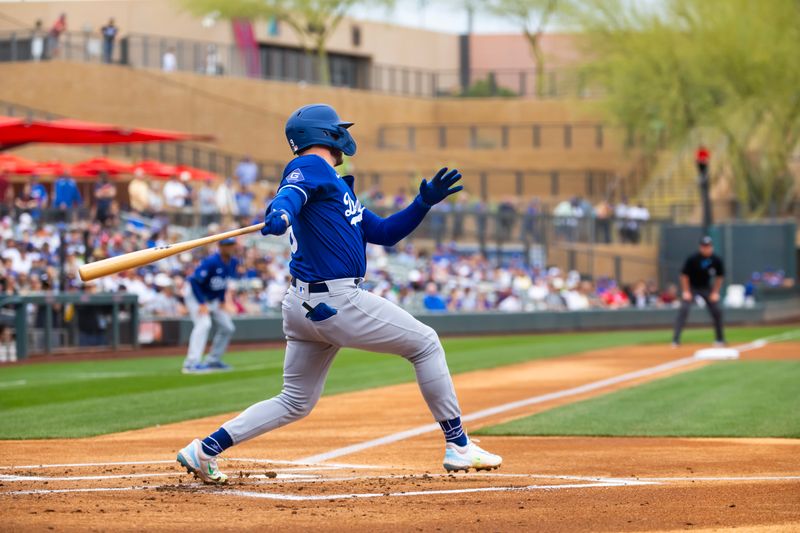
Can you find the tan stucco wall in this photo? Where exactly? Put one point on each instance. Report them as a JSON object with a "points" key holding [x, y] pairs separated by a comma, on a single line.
{"points": [[383, 43]]}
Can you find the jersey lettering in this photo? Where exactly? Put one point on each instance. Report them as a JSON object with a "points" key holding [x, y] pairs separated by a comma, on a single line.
{"points": [[354, 209]]}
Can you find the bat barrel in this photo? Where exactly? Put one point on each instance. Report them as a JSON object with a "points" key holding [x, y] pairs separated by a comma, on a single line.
{"points": [[112, 265]]}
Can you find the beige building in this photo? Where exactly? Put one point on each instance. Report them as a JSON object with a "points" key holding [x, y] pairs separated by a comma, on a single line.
{"points": [[362, 54]]}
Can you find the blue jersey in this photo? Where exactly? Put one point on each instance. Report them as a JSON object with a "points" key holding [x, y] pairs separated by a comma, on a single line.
{"points": [[210, 279], [330, 228], [326, 237]]}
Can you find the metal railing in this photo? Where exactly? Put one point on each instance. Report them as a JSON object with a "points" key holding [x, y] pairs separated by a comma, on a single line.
{"points": [[535, 135], [276, 62], [42, 323], [594, 184]]}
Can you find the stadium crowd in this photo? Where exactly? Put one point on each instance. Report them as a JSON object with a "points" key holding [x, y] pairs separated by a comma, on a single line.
{"points": [[443, 281]]}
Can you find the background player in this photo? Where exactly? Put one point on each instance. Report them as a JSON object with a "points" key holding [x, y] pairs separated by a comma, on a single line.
{"points": [[696, 280], [204, 296], [324, 309]]}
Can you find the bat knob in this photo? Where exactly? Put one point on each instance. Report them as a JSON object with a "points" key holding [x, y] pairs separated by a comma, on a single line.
{"points": [[285, 218]]}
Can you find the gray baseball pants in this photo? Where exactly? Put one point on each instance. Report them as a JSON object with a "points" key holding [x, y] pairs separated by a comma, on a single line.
{"points": [[363, 321], [202, 327]]}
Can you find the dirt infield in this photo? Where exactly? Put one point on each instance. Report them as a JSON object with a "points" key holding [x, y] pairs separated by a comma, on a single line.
{"points": [[329, 472]]}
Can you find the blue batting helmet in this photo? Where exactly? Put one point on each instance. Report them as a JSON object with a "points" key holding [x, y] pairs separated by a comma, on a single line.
{"points": [[319, 124], [228, 241]]}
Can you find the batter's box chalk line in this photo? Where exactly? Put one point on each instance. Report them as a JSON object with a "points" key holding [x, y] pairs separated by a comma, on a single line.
{"points": [[572, 482]]}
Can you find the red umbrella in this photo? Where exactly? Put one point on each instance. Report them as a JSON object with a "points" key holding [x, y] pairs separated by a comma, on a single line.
{"points": [[12, 163], [14, 132], [196, 174], [96, 166], [46, 168], [155, 169]]}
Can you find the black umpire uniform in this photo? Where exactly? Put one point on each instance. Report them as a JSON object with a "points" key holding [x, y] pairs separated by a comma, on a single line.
{"points": [[696, 280]]}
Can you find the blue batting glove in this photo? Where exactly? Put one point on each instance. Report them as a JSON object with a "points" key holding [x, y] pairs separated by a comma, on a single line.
{"points": [[276, 222], [440, 187]]}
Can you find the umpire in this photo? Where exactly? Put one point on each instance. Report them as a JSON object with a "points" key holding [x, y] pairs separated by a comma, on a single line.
{"points": [[696, 280]]}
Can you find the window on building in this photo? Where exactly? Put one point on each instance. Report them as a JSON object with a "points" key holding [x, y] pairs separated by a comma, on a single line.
{"points": [[356, 35]]}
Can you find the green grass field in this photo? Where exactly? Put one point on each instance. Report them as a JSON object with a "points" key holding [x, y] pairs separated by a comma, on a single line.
{"points": [[86, 398], [726, 399]]}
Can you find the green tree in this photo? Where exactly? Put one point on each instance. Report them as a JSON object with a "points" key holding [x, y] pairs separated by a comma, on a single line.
{"points": [[313, 21], [729, 69], [533, 17]]}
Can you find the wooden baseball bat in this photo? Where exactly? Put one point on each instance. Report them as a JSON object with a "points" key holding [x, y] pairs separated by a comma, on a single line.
{"points": [[112, 265]]}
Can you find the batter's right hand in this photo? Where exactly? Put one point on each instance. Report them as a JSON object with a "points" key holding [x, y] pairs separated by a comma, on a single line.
{"points": [[276, 222], [202, 309], [687, 296]]}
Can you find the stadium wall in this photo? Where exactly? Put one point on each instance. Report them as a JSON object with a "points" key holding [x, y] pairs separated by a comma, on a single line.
{"points": [[247, 116], [261, 329]]}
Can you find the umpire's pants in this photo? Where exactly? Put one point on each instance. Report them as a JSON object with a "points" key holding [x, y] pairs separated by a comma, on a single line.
{"points": [[713, 308]]}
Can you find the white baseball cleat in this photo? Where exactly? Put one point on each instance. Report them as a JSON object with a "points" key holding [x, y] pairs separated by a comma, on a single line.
{"points": [[201, 465], [470, 456]]}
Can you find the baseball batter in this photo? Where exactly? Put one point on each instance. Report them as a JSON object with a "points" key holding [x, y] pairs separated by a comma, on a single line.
{"points": [[204, 296], [325, 309]]}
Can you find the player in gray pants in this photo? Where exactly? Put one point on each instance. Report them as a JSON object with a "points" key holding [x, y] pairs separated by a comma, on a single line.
{"points": [[325, 309], [204, 296]]}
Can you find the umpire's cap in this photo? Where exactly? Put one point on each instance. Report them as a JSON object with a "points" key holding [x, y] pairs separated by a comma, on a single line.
{"points": [[226, 242], [319, 124], [705, 240]]}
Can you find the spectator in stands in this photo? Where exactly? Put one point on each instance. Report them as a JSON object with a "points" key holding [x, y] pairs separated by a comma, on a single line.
{"points": [[638, 217], [225, 198], [164, 302], [460, 205], [506, 219], [529, 227], [621, 214], [169, 62], [246, 172], [603, 214], [615, 298], [105, 193], [155, 198], [54, 36], [566, 215], [6, 199], [138, 196], [109, 32], [37, 41], [175, 194], [66, 197], [32, 199], [438, 222], [244, 202], [207, 202], [433, 300]]}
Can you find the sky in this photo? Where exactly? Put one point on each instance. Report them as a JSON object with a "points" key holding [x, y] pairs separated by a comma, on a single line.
{"points": [[438, 15], [449, 16]]}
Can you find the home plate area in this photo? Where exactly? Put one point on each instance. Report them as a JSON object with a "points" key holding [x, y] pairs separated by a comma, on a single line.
{"points": [[290, 481], [276, 480]]}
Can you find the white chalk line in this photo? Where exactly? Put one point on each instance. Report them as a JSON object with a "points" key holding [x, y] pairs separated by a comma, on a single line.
{"points": [[300, 464], [278, 476], [574, 391], [583, 482]]}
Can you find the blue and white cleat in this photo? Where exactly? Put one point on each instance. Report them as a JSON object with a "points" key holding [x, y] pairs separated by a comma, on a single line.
{"points": [[197, 368], [202, 466], [218, 366], [470, 456]]}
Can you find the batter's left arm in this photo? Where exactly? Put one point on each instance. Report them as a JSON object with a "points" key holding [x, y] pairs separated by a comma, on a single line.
{"points": [[391, 230]]}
